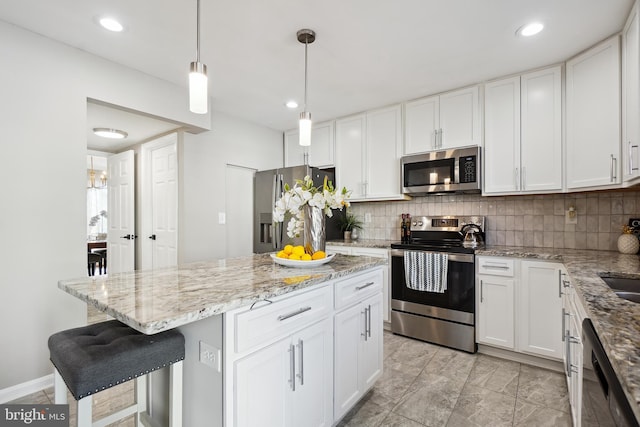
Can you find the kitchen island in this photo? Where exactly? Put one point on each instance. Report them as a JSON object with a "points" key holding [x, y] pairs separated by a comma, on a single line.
{"points": [[234, 312]]}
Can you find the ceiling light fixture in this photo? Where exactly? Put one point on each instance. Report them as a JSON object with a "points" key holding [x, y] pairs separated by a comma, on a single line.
{"points": [[306, 37], [198, 81], [530, 29], [110, 133], [111, 24], [291, 104]]}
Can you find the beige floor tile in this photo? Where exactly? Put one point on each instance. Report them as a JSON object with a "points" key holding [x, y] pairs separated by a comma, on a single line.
{"points": [[495, 374], [479, 406], [543, 388]]}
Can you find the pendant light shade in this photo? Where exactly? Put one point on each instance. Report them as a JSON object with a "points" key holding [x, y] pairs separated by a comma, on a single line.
{"points": [[306, 37], [198, 81]]}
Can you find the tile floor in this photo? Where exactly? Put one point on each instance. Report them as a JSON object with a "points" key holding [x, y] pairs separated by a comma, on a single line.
{"points": [[426, 385]]}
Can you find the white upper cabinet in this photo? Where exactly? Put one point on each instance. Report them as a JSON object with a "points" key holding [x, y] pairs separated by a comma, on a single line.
{"points": [[593, 117], [440, 122], [631, 98], [368, 154], [320, 153], [502, 136], [523, 133]]}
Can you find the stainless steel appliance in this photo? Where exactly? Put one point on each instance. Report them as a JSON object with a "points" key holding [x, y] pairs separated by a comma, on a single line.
{"points": [[268, 187], [446, 318], [603, 400], [446, 171]]}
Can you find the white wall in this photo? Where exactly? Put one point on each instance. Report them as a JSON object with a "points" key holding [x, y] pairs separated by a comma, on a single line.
{"points": [[205, 156], [44, 87]]}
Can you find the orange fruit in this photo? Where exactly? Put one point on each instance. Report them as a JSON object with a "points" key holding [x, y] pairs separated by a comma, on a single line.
{"points": [[306, 257], [295, 256], [288, 249], [318, 255], [298, 250]]}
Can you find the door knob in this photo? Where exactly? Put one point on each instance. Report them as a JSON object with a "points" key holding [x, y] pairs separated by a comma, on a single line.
{"points": [[128, 236], [152, 237]]}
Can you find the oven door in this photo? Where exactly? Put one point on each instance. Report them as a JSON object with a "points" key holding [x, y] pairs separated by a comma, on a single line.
{"points": [[457, 303]]}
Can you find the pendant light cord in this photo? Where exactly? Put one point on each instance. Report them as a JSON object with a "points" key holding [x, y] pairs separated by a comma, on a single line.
{"points": [[306, 44], [198, 31]]}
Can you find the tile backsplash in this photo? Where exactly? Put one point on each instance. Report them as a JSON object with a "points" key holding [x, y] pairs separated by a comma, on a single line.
{"points": [[537, 221]]}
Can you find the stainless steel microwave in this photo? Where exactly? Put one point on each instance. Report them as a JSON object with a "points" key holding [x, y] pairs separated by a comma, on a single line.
{"points": [[446, 171]]}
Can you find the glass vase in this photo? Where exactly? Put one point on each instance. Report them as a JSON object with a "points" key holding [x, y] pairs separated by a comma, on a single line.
{"points": [[314, 229]]}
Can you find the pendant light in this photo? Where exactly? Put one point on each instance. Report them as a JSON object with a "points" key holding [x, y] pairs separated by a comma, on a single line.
{"points": [[306, 37], [198, 96]]}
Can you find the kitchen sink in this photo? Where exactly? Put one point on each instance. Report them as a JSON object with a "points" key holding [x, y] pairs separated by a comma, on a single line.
{"points": [[624, 287]]}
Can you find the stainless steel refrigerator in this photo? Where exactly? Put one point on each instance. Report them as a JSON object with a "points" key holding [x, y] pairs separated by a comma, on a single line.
{"points": [[268, 187]]}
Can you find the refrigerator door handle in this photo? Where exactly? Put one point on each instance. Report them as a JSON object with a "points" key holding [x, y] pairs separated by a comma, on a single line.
{"points": [[274, 225]]}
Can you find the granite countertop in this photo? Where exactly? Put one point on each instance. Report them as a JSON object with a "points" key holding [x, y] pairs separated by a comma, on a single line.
{"points": [[363, 243], [156, 300], [617, 321]]}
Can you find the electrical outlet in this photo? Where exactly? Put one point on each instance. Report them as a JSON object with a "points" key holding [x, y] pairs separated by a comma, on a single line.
{"points": [[210, 356], [571, 217], [367, 217]]}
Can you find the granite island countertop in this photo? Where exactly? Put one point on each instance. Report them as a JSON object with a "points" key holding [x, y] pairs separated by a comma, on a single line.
{"points": [[156, 300], [363, 243], [616, 320]]}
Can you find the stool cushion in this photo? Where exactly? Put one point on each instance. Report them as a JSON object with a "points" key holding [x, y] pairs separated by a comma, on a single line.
{"points": [[95, 357]]}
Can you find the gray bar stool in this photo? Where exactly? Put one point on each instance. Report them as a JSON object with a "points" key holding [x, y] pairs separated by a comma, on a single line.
{"points": [[99, 356]]}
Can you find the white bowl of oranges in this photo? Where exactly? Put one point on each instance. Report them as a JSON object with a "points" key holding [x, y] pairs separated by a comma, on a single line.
{"points": [[295, 256]]}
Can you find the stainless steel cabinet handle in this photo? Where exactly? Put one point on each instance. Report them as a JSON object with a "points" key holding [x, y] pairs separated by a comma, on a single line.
{"points": [[440, 139], [369, 322], [564, 315], [516, 179], [559, 289], [567, 361], [301, 361], [631, 147], [613, 168], [292, 367], [292, 314], [524, 178], [434, 144], [366, 322], [358, 288], [495, 266], [481, 299]]}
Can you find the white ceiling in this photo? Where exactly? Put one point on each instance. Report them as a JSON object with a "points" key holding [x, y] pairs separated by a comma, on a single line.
{"points": [[368, 53]]}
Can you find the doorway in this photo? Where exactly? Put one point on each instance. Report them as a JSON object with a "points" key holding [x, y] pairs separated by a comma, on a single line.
{"points": [[239, 206]]}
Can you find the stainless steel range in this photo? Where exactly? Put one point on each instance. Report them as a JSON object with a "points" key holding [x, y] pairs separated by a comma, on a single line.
{"points": [[436, 253]]}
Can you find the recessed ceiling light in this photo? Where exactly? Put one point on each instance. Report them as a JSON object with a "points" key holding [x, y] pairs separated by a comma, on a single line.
{"points": [[110, 133], [530, 29], [111, 24], [291, 104]]}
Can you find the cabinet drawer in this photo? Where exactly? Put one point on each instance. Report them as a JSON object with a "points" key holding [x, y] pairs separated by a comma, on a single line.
{"points": [[354, 289], [264, 324], [496, 266]]}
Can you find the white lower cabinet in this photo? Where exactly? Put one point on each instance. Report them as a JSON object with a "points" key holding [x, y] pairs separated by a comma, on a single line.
{"points": [[495, 311], [286, 360], [358, 349], [540, 309], [519, 305], [289, 382], [386, 280]]}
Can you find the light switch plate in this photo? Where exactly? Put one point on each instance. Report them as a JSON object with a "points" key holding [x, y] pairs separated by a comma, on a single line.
{"points": [[222, 218]]}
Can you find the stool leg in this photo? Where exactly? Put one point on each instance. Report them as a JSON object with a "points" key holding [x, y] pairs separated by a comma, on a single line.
{"points": [[59, 388], [141, 398], [84, 411], [175, 395]]}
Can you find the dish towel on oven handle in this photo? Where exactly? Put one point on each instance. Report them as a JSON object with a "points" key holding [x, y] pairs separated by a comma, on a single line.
{"points": [[426, 271]]}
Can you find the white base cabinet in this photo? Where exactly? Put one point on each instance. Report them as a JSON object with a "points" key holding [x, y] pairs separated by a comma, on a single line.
{"points": [[386, 280], [519, 305], [540, 309], [303, 359], [289, 382], [358, 350], [495, 302]]}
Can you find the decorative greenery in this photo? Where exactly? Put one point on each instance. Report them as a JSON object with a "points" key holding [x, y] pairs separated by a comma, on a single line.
{"points": [[350, 222], [304, 193]]}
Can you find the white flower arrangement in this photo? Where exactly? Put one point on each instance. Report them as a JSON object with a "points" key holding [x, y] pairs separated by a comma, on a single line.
{"points": [[304, 193]]}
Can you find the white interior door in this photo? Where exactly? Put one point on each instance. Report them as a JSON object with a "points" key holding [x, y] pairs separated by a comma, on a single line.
{"points": [[159, 207], [121, 209], [239, 215]]}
